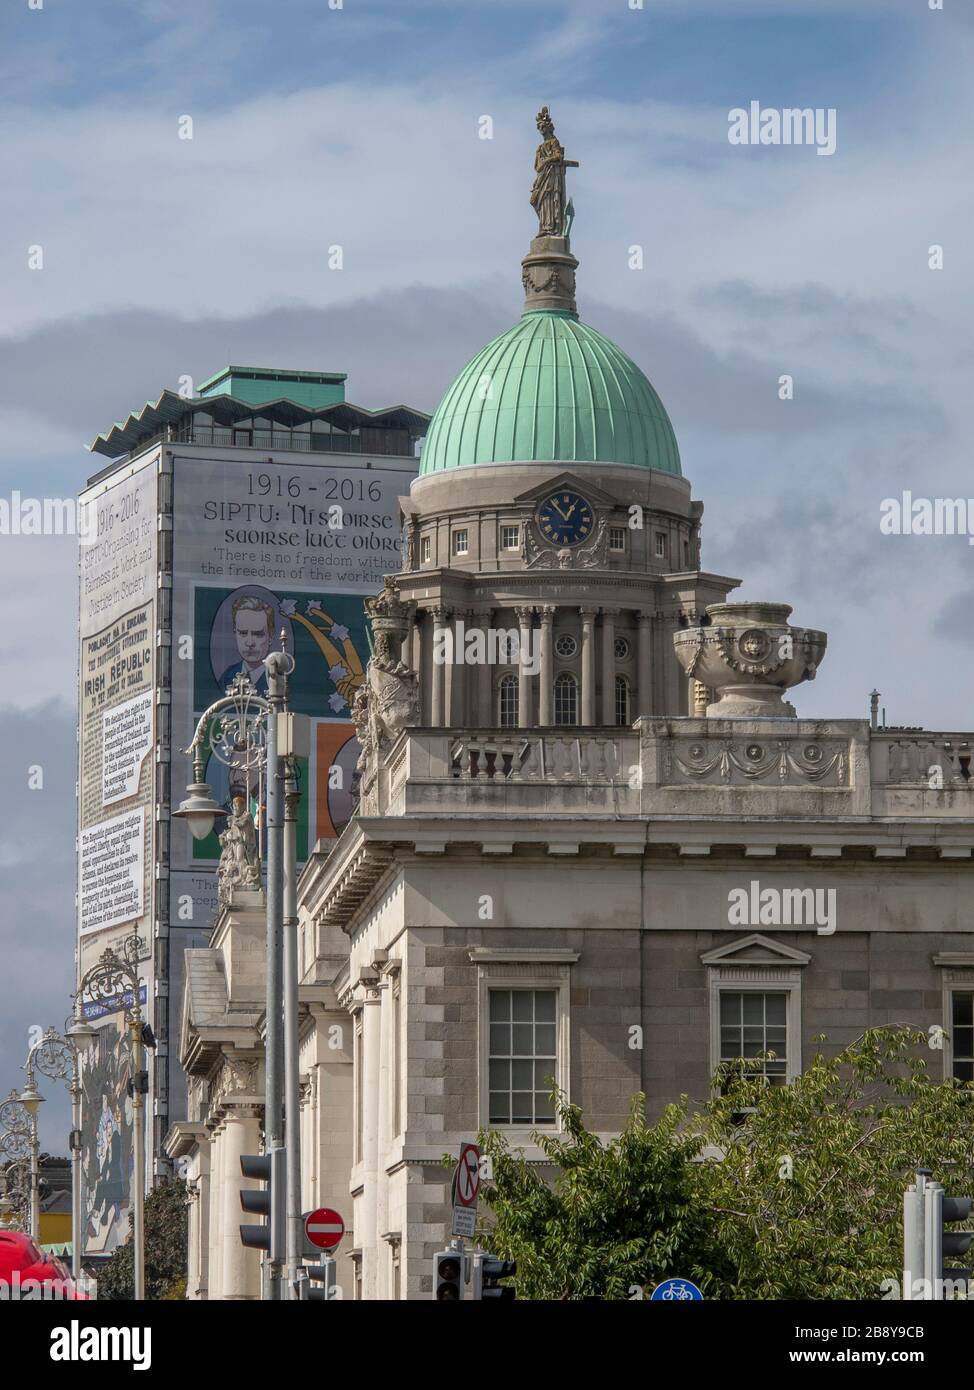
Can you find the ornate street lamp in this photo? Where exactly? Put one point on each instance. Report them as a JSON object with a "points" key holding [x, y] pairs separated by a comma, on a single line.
{"points": [[57, 1056], [115, 975], [241, 731], [17, 1142]]}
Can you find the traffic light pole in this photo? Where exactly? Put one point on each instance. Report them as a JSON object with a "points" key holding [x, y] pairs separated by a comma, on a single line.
{"points": [[913, 1234], [273, 1019], [292, 1097]]}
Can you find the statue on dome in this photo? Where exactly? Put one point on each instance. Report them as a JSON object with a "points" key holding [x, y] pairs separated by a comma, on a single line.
{"points": [[548, 190]]}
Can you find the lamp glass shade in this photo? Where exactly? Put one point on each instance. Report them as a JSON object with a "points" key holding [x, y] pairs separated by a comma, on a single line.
{"points": [[30, 1098], [199, 810]]}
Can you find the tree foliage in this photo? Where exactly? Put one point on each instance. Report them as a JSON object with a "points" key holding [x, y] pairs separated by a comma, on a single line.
{"points": [[166, 1250], [764, 1192]]}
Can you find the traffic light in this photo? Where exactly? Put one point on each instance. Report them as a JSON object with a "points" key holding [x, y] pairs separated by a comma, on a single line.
{"points": [[323, 1274], [953, 1243], [486, 1273], [448, 1276], [269, 1169]]}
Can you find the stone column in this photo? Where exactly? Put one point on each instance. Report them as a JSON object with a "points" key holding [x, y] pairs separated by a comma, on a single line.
{"points": [[457, 692], [438, 705], [369, 1236], [204, 1207], [484, 715], [609, 665], [381, 1201], [214, 1231], [644, 665], [524, 616], [546, 677], [241, 1268], [588, 666]]}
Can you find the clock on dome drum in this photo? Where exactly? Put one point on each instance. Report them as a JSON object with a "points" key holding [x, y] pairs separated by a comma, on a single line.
{"points": [[565, 518]]}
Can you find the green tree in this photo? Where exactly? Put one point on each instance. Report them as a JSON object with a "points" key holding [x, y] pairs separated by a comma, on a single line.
{"points": [[166, 1247], [615, 1215], [807, 1200], [764, 1192]]}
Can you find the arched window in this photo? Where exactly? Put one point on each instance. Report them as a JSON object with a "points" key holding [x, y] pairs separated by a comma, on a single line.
{"points": [[507, 702], [566, 699], [622, 701]]}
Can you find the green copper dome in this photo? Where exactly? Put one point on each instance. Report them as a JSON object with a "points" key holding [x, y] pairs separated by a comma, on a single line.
{"points": [[550, 389]]}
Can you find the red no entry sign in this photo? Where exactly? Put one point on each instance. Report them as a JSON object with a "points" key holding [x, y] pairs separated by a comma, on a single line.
{"points": [[324, 1228]]}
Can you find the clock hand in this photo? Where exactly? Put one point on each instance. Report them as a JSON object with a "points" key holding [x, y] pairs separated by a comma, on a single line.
{"points": [[570, 510], [559, 511]]}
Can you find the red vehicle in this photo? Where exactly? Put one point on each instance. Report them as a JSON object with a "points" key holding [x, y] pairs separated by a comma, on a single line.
{"points": [[21, 1260]]}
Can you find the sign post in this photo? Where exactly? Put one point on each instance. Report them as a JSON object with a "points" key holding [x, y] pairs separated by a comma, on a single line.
{"points": [[466, 1189]]}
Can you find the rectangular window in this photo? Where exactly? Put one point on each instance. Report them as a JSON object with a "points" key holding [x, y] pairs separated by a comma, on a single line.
{"points": [[752, 1023], [617, 538], [425, 550], [962, 1035], [661, 545], [460, 542], [521, 1055], [510, 537], [396, 1249]]}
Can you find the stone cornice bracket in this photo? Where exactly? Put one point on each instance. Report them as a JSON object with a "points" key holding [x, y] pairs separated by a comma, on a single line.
{"points": [[356, 880]]}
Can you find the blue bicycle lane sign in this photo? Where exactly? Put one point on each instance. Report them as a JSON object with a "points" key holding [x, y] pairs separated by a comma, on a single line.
{"points": [[675, 1291]]}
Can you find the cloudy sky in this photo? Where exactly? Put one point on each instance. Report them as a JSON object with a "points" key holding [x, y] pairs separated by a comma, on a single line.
{"points": [[358, 125]]}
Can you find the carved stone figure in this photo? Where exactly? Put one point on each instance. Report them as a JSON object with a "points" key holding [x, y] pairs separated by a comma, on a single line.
{"points": [[548, 190], [389, 699], [239, 866]]}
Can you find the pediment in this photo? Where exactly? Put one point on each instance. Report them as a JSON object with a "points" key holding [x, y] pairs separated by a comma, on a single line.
{"points": [[755, 949], [596, 495]]}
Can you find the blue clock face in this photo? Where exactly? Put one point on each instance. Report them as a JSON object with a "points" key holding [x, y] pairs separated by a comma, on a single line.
{"points": [[565, 518]]}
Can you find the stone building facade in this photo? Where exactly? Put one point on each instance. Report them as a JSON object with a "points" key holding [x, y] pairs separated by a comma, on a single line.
{"points": [[566, 868]]}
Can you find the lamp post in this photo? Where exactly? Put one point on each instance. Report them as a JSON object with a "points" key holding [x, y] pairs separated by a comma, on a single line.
{"points": [[31, 1099], [57, 1056], [242, 731], [17, 1133], [116, 975]]}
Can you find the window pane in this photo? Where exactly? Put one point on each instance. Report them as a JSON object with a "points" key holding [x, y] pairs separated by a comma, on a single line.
{"points": [[500, 1004], [775, 1006], [963, 1010], [544, 1074], [500, 1074], [730, 1008], [522, 1110], [522, 1004], [500, 1109], [964, 1071], [753, 1005], [522, 1040], [500, 1039], [544, 1108], [544, 1005], [522, 1075], [544, 1040]]}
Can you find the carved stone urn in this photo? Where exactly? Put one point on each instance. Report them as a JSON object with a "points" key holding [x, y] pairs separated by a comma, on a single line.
{"points": [[748, 653]]}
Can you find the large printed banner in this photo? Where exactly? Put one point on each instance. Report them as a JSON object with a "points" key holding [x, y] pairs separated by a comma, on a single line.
{"points": [[116, 798], [263, 553]]}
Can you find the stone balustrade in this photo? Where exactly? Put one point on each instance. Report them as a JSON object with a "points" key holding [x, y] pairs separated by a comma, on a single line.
{"points": [[698, 767]]}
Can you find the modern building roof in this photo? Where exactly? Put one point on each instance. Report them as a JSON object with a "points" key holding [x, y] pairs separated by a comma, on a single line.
{"points": [[551, 389], [287, 398]]}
